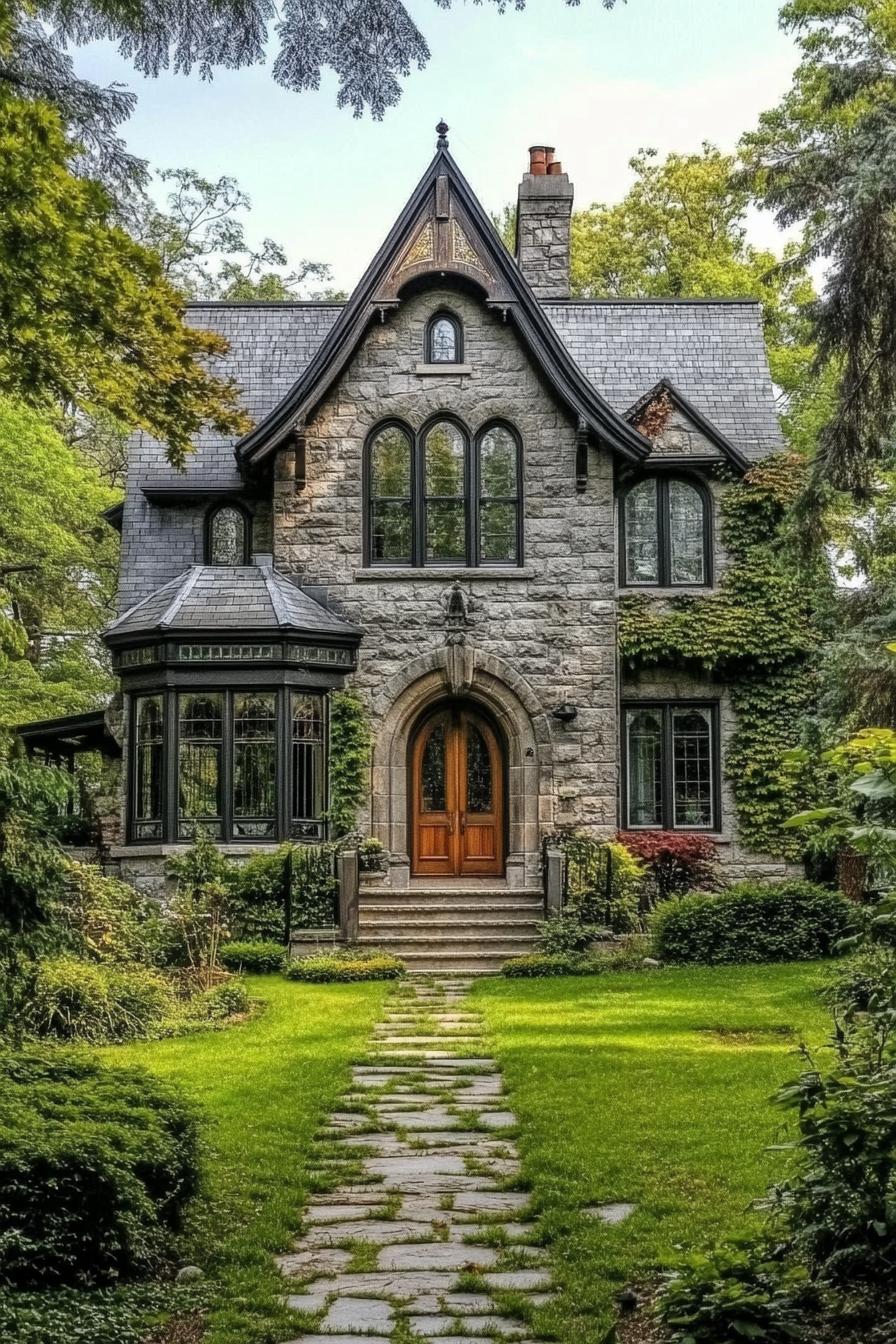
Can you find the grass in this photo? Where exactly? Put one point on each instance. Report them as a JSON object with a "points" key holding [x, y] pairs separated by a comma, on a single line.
{"points": [[646, 1089], [265, 1088]]}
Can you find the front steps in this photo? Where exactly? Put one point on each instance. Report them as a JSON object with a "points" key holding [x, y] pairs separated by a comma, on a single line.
{"points": [[470, 927]]}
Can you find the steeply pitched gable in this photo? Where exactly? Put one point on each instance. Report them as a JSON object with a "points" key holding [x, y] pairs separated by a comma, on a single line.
{"points": [[679, 431], [444, 231]]}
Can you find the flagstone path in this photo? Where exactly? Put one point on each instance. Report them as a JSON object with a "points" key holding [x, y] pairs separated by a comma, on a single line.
{"points": [[421, 1233]]}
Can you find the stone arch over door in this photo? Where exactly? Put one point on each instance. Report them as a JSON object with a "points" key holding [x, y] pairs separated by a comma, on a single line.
{"points": [[492, 683]]}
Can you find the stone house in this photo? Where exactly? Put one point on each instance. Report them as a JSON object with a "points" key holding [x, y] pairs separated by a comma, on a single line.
{"points": [[443, 496]]}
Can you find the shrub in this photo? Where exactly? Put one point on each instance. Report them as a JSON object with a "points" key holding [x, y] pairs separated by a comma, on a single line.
{"points": [[676, 861], [535, 964], [257, 909], [564, 933], [259, 958], [603, 882], [108, 920], [84, 1000], [96, 1168], [217, 1004], [753, 921], [732, 1294], [346, 964]]}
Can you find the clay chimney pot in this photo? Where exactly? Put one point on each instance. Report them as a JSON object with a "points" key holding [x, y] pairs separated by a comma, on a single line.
{"points": [[538, 159], [555, 167]]}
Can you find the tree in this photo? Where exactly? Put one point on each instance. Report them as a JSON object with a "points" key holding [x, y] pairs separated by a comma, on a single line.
{"points": [[825, 158], [680, 232], [201, 242], [87, 319], [370, 45], [58, 569]]}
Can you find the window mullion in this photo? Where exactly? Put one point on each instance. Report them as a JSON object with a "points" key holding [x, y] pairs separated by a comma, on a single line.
{"points": [[664, 533], [668, 771], [171, 828], [226, 767]]}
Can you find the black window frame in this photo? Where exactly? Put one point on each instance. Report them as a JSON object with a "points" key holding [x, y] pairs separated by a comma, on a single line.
{"points": [[666, 709], [286, 826], [444, 315], [664, 540], [472, 495], [208, 528]]}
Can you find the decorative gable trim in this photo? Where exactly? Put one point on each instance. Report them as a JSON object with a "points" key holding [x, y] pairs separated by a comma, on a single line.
{"points": [[725, 448], [443, 228]]}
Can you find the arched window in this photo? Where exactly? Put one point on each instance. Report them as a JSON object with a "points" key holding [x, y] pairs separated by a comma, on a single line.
{"points": [[444, 340], [390, 476], [434, 500], [227, 536], [498, 469], [665, 526]]}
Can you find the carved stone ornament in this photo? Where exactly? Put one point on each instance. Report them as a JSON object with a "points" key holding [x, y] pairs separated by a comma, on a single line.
{"points": [[461, 248]]}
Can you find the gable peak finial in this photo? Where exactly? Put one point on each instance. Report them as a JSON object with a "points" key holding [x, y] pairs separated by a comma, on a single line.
{"points": [[442, 129]]}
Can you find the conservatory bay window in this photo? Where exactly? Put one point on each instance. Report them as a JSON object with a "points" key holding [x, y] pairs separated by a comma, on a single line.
{"points": [[671, 766], [200, 735], [255, 765], [237, 765], [149, 776]]}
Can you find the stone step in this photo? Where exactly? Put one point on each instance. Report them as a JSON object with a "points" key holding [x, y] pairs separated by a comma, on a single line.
{"points": [[467, 909], [450, 963], [457, 896], [389, 924], [451, 939]]}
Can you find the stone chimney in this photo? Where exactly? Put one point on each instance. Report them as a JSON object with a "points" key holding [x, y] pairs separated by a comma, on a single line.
{"points": [[543, 211]]}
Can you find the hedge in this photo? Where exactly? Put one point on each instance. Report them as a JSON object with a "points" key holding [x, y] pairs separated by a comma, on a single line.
{"points": [[97, 1166], [335, 966], [257, 958], [753, 922]]}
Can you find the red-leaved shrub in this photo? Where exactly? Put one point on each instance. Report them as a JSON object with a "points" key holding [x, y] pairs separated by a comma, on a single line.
{"points": [[677, 861]]}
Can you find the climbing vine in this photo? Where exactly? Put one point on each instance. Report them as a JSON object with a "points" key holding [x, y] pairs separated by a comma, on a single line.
{"points": [[758, 634], [349, 768]]}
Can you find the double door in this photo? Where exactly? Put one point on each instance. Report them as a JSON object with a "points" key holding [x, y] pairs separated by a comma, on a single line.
{"points": [[457, 797]]}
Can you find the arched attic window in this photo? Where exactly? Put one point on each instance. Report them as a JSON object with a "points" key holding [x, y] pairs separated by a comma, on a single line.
{"points": [[444, 340], [665, 527], [227, 535]]}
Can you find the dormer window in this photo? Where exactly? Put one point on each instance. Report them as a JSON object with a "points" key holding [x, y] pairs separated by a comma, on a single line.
{"points": [[227, 536], [444, 340], [665, 531]]}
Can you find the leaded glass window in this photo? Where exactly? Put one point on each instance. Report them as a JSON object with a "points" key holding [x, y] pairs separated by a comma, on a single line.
{"points": [[686, 533], [227, 537], [644, 744], [200, 729], [479, 772], [149, 744], [671, 766], [255, 765], [642, 543], [432, 774], [432, 499], [307, 765], [391, 510], [692, 768], [498, 496], [443, 341], [445, 494], [665, 533]]}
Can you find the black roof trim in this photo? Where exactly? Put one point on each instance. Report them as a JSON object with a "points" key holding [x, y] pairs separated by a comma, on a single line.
{"points": [[559, 366], [613, 302], [114, 515], [265, 303], [706, 427]]}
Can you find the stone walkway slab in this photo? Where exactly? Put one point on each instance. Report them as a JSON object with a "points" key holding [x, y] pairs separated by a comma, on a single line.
{"points": [[427, 1169]]}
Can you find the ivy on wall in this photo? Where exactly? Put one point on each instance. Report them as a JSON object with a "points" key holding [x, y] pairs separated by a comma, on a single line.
{"points": [[349, 760], [757, 633]]}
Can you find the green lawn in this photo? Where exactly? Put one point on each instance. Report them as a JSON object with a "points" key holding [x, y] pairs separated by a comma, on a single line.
{"points": [[265, 1087], [651, 1089]]}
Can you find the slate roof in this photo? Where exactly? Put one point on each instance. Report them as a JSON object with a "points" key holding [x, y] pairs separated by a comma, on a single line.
{"points": [[712, 350], [212, 599]]}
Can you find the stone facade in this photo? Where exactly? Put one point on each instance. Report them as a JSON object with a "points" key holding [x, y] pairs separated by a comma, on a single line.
{"points": [[551, 623]]}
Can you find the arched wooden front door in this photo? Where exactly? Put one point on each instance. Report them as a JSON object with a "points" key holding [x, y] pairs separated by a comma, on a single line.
{"points": [[457, 797]]}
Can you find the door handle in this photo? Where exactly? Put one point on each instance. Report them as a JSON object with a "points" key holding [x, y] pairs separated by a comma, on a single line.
{"points": [[463, 823]]}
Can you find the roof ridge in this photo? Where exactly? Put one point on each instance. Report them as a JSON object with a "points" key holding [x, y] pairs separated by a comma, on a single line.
{"points": [[183, 593]]}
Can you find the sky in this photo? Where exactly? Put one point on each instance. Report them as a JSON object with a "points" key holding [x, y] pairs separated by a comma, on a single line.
{"points": [[598, 84]]}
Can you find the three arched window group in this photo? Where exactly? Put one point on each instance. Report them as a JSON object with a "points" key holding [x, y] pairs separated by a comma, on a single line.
{"points": [[440, 497]]}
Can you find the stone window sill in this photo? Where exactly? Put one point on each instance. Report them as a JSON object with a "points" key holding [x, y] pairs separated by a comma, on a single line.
{"points": [[680, 590], [442, 573], [442, 370]]}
